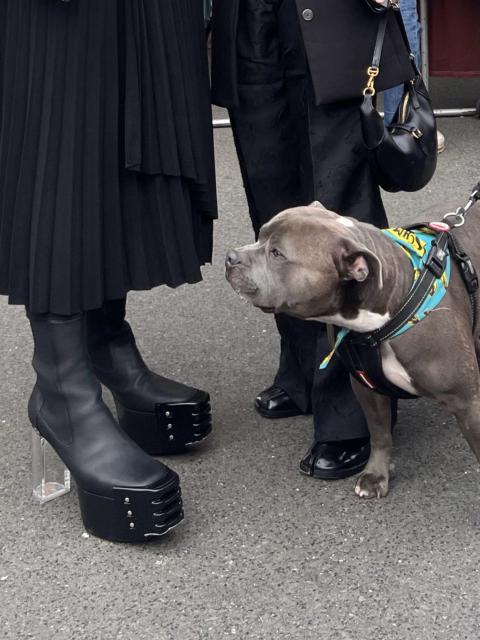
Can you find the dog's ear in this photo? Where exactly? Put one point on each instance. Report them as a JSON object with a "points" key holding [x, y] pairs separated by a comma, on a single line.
{"points": [[355, 262]]}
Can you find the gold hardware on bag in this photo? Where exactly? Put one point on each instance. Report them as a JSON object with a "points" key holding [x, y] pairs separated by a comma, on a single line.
{"points": [[372, 73], [403, 111], [417, 134]]}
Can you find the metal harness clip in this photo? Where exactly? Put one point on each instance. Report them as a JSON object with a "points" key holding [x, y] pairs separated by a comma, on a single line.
{"points": [[469, 274], [436, 260]]}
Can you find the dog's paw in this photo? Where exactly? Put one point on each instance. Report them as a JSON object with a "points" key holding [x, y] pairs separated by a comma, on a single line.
{"points": [[370, 485]]}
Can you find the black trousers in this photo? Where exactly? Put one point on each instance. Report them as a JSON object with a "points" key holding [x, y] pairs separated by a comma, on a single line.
{"points": [[292, 152]]}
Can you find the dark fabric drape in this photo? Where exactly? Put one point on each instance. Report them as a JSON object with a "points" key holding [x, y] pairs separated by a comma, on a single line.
{"points": [[106, 159]]}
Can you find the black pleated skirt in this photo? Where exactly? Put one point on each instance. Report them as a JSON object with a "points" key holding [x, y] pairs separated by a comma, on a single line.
{"points": [[106, 156]]}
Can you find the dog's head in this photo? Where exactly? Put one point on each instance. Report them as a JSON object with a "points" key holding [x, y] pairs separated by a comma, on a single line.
{"points": [[302, 263]]}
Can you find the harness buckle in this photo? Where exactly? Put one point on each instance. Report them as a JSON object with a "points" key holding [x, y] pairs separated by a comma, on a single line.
{"points": [[469, 273], [370, 341], [363, 339], [435, 261]]}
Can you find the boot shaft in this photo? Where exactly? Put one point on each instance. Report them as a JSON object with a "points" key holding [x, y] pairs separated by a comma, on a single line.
{"points": [[112, 346], [65, 384]]}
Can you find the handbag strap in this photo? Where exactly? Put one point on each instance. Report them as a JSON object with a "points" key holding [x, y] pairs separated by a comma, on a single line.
{"points": [[403, 31], [382, 29], [374, 69]]}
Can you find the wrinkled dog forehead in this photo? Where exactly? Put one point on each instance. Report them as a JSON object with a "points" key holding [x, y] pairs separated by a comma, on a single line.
{"points": [[296, 216], [303, 226]]}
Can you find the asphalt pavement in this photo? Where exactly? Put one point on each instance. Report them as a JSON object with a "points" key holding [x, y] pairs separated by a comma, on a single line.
{"points": [[264, 552]]}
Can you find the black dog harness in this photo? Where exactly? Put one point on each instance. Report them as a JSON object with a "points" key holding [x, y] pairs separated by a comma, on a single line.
{"points": [[361, 353]]}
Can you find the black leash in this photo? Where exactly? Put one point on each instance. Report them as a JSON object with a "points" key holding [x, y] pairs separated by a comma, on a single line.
{"points": [[468, 273], [467, 270], [461, 212]]}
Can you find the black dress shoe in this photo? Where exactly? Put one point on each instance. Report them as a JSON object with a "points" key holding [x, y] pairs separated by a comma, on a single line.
{"points": [[335, 460], [276, 403]]}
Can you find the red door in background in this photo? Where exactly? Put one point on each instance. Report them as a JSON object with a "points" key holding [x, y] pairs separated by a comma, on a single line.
{"points": [[454, 37]]}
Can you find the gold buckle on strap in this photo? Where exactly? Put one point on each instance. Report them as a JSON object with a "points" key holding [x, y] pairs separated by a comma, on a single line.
{"points": [[372, 73]]}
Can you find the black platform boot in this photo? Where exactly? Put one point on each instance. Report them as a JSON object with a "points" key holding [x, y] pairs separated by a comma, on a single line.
{"points": [[124, 494], [161, 415]]}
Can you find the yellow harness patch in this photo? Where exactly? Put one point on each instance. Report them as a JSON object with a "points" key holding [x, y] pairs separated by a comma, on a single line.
{"points": [[411, 238]]}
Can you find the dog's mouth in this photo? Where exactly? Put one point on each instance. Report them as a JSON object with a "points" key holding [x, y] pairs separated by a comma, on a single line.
{"points": [[240, 284], [247, 289], [249, 294]]}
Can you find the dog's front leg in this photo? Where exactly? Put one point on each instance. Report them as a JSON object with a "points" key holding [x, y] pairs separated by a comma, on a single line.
{"points": [[373, 482]]}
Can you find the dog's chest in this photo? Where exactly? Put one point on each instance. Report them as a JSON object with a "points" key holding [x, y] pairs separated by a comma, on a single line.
{"points": [[394, 371]]}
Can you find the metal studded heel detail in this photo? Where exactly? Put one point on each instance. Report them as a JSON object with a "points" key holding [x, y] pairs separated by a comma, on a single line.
{"points": [[133, 515], [171, 428]]}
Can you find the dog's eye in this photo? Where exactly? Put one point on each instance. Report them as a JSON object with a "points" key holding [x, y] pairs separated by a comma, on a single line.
{"points": [[276, 253]]}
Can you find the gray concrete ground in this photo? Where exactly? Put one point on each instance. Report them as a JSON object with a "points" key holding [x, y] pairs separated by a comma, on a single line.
{"points": [[264, 552]]}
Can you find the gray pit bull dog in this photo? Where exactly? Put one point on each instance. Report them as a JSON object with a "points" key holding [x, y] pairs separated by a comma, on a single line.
{"points": [[313, 264]]}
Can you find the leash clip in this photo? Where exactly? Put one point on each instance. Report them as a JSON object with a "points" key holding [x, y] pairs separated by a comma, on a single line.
{"points": [[459, 217]]}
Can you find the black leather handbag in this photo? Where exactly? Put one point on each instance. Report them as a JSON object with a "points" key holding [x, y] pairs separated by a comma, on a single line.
{"points": [[403, 155]]}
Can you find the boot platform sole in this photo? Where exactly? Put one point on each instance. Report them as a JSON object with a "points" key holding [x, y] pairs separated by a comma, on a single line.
{"points": [[132, 515], [170, 428]]}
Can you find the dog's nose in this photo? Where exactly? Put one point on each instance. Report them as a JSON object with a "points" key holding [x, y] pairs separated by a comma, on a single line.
{"points": [[232, 259]]}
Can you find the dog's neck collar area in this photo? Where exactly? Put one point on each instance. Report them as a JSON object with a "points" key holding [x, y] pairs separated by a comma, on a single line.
{"points": [[430, 258]]}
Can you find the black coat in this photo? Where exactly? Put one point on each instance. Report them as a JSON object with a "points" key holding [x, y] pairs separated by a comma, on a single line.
{"points": [[339, 42]]}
